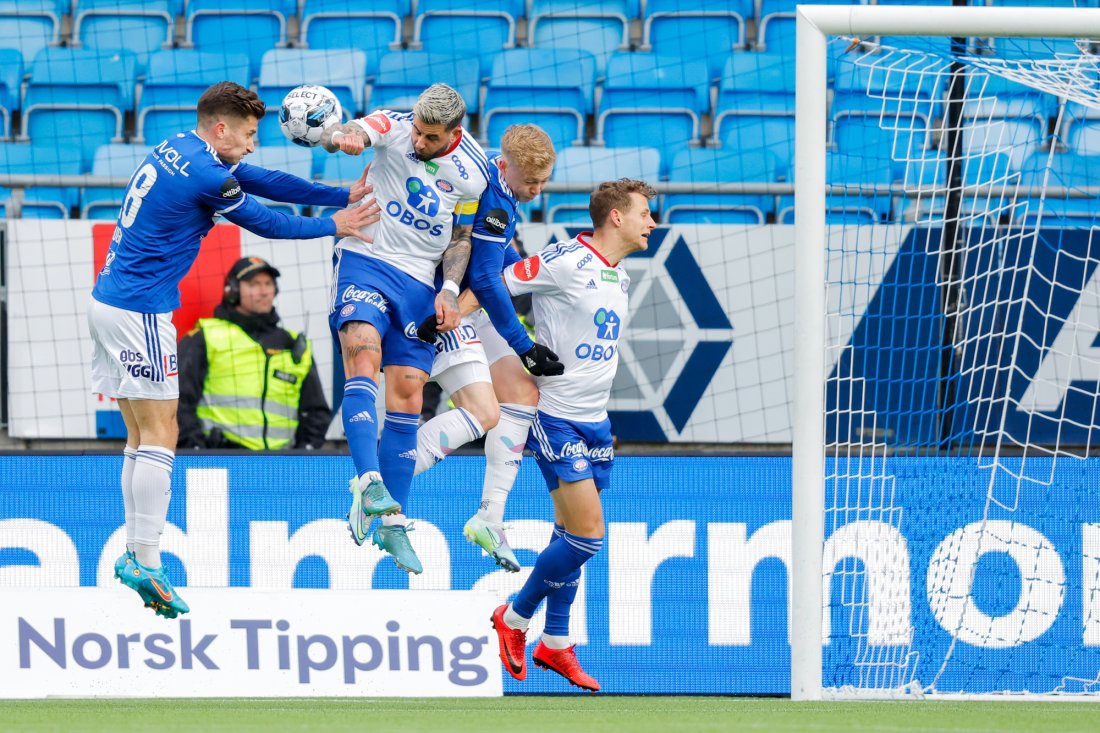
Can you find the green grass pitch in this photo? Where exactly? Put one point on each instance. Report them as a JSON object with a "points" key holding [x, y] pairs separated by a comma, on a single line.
{"points": [[564, 714]]}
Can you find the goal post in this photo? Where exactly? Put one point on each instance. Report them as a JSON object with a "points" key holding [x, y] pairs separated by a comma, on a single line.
{"points": [[845, 456]]}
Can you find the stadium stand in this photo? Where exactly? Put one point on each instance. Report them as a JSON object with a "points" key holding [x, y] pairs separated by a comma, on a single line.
{"points": [[755, 104], [291, 159], [117, 160], [699, 28], [173, 84], [374, 28], [708, 165], [39, 159], [600, 27], [591, 165], [490, 24], [342, 71], [1061, 170], [403, 75], [341, 170], [140, 27], [215, 26], [11, 76], [30, 26]]}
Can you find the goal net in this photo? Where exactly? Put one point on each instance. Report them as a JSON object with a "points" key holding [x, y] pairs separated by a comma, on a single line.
{"points": [[959, 344]]}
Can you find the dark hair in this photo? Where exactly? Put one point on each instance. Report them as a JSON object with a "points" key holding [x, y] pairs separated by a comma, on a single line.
{"points": [[615, 195], [227, 99]]}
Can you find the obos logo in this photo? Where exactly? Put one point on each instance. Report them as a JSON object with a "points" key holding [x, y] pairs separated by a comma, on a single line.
{"points": [[607, 324], [424, 201]]}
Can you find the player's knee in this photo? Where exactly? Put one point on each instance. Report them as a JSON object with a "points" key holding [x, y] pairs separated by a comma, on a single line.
{"points": [[487, 414]]}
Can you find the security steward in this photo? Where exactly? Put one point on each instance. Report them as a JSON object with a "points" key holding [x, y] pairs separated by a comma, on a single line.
{"points": [[245, 382]]}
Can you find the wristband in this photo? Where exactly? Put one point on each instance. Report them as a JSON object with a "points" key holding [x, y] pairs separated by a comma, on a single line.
{"points": [[450, 286], [336, 135]]}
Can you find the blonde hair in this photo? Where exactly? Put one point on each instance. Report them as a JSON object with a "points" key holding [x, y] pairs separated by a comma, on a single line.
{"points": [[529, 147], [440, 105]]}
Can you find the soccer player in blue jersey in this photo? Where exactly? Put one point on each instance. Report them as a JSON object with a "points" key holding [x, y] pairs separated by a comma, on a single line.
{"points": [[428, 174], [481, 363], [171, 204], [579, 291]]}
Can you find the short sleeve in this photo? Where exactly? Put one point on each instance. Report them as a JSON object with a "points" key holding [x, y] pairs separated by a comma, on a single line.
{"points": [[379, 127], [531, 275]]}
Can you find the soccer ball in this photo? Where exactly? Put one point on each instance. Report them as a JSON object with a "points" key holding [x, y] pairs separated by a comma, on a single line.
{"points": [[306, 112]]}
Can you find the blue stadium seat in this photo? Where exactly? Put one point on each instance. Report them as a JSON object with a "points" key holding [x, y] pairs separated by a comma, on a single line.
{"points": [[894, 138], [889, 83], [862, 204], [1001, 97], [1066, 170], [600, 27], [11, 76], [115, 161], [650, 98], [139, 26], [755, 104], [696, 28], [374, 27], [293, 159], [30, 26], [343, 71], [173, 84], [77, 98], [707, 165], [403, 75], [39, 159], [592, 165], [1018, 137], [775, 27], [549, 87], [481, 29], [250, 27]]}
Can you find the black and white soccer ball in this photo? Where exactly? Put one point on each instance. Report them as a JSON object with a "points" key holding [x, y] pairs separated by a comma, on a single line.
{"points": [[306, 112]]}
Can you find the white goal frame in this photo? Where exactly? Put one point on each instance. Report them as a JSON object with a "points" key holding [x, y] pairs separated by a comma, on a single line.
{"points": [[814, 23]]}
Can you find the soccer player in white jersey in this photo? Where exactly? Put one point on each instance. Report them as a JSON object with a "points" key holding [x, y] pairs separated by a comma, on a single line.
{"points": [[481, 363], [428, 174], [579, 291], [171, 204]]}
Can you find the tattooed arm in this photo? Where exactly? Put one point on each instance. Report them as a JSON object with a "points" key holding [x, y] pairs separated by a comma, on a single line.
{"points": [[350, 138], [455, 258]]}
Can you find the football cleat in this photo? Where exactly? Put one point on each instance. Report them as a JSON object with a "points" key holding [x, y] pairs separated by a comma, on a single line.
{"points": [[513, 644], [395, 540], [367, 503], [153, 587], [490, 537], [564, 662]]}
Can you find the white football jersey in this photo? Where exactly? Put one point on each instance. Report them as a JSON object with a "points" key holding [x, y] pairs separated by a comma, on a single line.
{"points": [[420, 200], [580, 303]]}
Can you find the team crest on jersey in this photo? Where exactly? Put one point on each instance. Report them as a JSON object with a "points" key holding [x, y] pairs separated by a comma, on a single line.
{"points": [[422, 197], [527, 269], [444, 185], [347, 310]]}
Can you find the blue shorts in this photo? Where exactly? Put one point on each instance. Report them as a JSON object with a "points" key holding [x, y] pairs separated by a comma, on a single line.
{"points": [[377, 293], [569, 451]]}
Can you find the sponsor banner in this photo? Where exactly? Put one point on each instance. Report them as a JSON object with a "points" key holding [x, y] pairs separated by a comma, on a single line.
{"points": [[689, 594], [248, 643]]}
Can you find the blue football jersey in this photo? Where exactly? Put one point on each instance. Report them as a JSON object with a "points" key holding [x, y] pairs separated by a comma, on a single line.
{"points": [[170, 205], [492, 252]]}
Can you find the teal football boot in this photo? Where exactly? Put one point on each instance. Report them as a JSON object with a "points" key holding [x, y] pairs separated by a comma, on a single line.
{"points": [[395, 540]]}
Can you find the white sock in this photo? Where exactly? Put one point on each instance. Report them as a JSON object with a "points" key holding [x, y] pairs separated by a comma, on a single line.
{"points": [[389, 520], [555, 642], [442, 435], [503, 453], [513, 620], [152, 488], [128, 462]]}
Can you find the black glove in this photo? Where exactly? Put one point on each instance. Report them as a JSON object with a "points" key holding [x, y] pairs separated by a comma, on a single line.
{"points": [[542, 362], [426, 331]]}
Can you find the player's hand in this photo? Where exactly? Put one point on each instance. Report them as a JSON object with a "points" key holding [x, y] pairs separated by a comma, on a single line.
{"points": [[426, 330], [360, 188], [351, 144], [447, 313], [350, 221], [542, 362]]}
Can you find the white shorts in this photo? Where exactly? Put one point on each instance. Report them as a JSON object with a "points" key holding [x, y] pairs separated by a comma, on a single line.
{"points": [[133, 354], [496, 348], [459, 357]]}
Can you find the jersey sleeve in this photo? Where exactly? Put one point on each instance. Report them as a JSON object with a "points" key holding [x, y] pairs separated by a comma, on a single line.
{"points": [[484, 270], [258, 219], [380, 126], [280, 186], [532, 275]]}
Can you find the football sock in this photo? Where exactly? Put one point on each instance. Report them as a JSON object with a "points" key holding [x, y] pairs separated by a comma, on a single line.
{"points": [[503, 453], [360, 425], [554, 566], [397, 455], [152, 487], [443, 434], [129, 456]]}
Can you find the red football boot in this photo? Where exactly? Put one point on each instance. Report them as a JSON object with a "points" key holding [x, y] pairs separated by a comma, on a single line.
{"points": [[564, 662], [513, 645]]}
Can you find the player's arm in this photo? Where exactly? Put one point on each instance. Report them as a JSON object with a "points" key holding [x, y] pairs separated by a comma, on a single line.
{"points": [[280, 186], [455, 259], [487, 260], [356, 136]]}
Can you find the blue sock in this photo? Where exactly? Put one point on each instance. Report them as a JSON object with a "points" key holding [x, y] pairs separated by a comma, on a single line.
{"points": [[554, 566], [360, 425], [397, 455], [558, 604]]}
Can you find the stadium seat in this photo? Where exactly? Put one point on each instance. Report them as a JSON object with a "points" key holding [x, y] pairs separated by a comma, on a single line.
{"points": [[591, 165], [889, 83], [173, 84], [403, 75], [549, 87], [707, 165], [47, 159], [293, 159], [1060, 170], [994, 96], [755, 104], [653, 99], [30, 26], [480, 29], [342, 71], [862, 204], [115, 161], [600, 27], [374, 27], [893, 138], [250, 27], [697, 29], [775, 27], [1018, 137], [146, 26], [11, 76], [78, 95]]}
